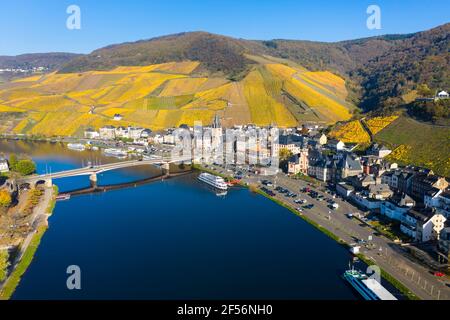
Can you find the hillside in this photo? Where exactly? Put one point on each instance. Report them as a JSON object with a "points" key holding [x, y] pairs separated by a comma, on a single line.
{"points": [[51, 61], [166, 95], [379, 70], [412, 142]]}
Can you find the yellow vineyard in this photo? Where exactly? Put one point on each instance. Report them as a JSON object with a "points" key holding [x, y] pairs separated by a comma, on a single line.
{"points": [[168, 95], [377, 124], [351, 132]]}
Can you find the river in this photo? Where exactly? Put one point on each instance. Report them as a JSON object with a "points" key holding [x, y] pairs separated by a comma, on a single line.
{"points": [[174, 239]]}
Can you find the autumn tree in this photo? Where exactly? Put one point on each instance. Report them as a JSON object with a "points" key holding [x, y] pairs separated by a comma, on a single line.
{"points": [[5, 199]]}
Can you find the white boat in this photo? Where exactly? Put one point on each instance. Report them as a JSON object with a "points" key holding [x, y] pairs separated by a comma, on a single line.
{"points": [[214, 181], [115, 153], [370, 289], [76, 146]]}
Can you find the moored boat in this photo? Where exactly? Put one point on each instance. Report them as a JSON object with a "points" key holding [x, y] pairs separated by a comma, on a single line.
{"points": [[62, 197], [76, 146], [214, 181], [368, 288]]}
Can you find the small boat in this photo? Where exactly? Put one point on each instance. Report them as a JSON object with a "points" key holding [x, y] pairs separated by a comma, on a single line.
{"points": [[63, 197], [214, 181], [76, 146]]}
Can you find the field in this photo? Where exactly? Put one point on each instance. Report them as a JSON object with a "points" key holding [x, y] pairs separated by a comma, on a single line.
{"points": [[377, 124], [351, 132], [170, 94], [418, 143]]}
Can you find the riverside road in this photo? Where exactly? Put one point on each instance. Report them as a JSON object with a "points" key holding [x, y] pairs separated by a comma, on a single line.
{"points": [[385, 253]]}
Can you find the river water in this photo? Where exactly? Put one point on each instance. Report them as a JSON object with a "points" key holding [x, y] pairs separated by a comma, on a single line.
{"points": [[174, 239]]}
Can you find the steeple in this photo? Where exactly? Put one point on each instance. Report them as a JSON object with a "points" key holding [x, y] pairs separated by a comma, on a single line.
{"points": [[216, 122]]}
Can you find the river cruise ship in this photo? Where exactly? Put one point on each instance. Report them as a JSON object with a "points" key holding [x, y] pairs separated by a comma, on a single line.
{"points": [[369, 289], [76, 146], [214, 181]]}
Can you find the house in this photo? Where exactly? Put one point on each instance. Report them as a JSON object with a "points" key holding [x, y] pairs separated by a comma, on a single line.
{"points": [[321, 167], [438, 199], [291, 142], [108, 132], [443, 95], [337, 145], [4, 167], [349, 166], [117, 117], [146, 133], [344, 189], [363, 200], [396, 206], [362, 181], [121, 132], [91, 134], [423, 182], [380, 191], [423, 224], [444, 242], [379, 151], [298, 163], [321, 139], [135, 132]]}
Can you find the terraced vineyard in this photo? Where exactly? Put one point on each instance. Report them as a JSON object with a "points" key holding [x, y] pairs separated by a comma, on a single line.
{"points": [[167, 95]]}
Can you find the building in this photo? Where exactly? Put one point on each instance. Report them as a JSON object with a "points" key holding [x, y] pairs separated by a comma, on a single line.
{"points": [[396, 206], [121, 132], [423, 224], [108, 132], [135, 132], [349, 166], [291, 142], [4, 167], [91, 134], [422, 183], [337, 145], [443, 95], [344, 190], [380, 191], [118, 117], [299, 163], [379, 151], [444, 242]]}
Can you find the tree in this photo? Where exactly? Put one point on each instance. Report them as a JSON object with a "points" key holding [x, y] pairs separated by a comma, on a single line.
{"points": [[5, 199], [25, 167], [4, 264], [285, 154], [12, 161]]}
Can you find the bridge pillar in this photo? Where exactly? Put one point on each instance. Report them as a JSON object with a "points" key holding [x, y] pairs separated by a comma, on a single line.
{"points": [[49, 183], [165, 168], [93, 179]]}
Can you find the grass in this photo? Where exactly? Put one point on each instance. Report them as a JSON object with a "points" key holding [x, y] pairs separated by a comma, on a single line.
{"points": [[418, 143], [397, 284]]}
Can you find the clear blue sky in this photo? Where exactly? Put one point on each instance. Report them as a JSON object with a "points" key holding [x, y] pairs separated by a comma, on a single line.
{"points": [[40, 25]]}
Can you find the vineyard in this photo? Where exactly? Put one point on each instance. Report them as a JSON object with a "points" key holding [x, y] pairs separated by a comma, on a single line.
{"points": [[167, 95], [351, 132]]}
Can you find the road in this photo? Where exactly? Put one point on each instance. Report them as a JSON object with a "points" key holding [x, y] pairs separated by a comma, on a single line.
{"points": [[388, 255], [385, 253]]}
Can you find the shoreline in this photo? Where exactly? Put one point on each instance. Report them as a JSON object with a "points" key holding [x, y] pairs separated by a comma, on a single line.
{"points": [[385, 275], [29, 245]]}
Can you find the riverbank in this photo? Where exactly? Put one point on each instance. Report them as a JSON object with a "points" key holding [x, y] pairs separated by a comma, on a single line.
{"points": [[30, 244], [388, 277]]}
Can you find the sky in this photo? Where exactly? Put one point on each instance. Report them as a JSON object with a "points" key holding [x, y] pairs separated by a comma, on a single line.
{"points": [[29, 26]]}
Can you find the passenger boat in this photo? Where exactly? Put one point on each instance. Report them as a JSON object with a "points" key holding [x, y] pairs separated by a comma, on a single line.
{"points": [[115, 153], [214, 181], [62, 197], [369, 289], [76, 146]]}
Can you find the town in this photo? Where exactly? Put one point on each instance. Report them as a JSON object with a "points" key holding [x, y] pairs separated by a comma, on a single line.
{"points": [[412, 201]]}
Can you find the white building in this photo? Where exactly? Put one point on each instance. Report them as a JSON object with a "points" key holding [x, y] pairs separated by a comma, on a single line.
{"points": [[4, 167], [443, 95], [91, 134], [108, 133], [423, 225], [396, 207]]}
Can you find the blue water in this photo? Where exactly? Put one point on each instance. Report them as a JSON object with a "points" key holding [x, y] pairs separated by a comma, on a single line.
{"points": [[177, 240]]}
